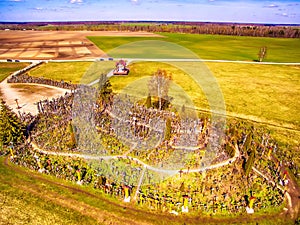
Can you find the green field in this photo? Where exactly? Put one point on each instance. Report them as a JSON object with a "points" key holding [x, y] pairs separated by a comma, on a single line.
{"points": [[218, 47], [267, 94], [76, 72], [264, 93], [7, 68], [107, 43], [61, 71]]}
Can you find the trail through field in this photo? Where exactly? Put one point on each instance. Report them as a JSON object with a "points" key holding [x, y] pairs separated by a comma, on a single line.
{"points": [[292, 194], [149, 167]]}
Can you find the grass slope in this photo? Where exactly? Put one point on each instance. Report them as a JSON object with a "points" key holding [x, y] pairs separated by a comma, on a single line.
{"points": [[31, 198], [19, 205], [215, 46]]}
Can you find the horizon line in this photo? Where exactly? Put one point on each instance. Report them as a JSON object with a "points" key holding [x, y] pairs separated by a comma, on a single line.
{"points": [[149, 21]]}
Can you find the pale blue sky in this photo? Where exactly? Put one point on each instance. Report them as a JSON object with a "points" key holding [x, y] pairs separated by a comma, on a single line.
{"points": [[249, 11]]}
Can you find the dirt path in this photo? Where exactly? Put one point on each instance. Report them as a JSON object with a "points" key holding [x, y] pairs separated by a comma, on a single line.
{"points": [[149, 167], [292, 190]]}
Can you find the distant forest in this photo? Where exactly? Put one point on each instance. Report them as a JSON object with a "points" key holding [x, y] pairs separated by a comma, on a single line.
{"points": [[254, 30]]}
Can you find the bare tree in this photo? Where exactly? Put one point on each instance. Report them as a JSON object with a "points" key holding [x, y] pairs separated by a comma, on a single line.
{"points": [[159, 85], [105, 91], [262, 53]]}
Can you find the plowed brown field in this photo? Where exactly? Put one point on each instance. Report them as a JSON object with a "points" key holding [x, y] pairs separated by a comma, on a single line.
{"points": [[46, 45]]}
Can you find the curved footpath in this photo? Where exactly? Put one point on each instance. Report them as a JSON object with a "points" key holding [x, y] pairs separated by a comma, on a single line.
{"points": [[292, 192], [145, 165]]}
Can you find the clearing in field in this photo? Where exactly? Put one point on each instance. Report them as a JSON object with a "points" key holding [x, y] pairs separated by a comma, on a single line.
{"points": [[27, 95]]}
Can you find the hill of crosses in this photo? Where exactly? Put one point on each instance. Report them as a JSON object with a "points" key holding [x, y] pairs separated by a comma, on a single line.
{"points": [[149, 146]]}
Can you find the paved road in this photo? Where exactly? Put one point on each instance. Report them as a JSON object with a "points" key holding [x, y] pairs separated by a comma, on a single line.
{"points": [[164, 60], [130, 60]]}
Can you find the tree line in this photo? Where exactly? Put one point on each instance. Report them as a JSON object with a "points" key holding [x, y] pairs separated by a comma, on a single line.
{"points": [[253, 30]]}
